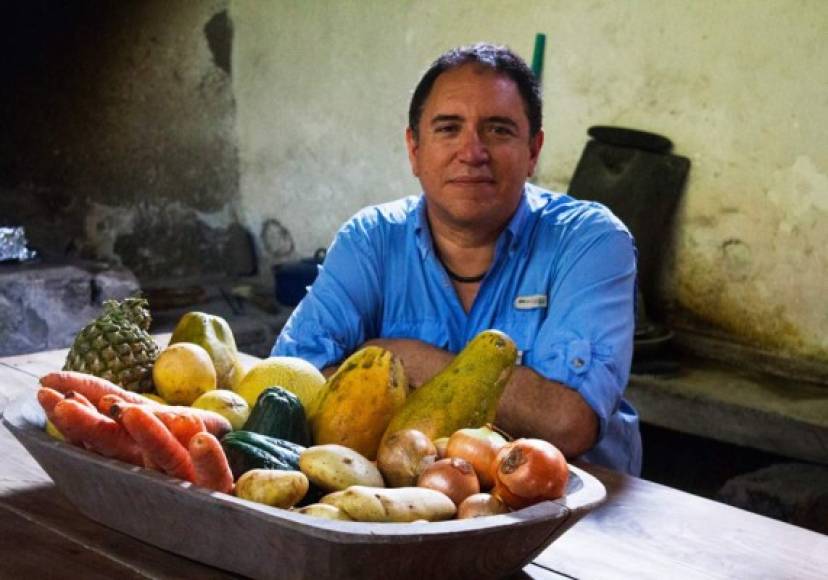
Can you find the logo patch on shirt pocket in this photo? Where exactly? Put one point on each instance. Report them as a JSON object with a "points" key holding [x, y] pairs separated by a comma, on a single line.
{"points": [[530, 302]]}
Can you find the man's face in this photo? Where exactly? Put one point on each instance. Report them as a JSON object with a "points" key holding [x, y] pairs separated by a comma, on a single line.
{"points": [[473, 154]]}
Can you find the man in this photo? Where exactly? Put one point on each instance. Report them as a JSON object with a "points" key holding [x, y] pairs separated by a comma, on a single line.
{"points": [[481, 248]]}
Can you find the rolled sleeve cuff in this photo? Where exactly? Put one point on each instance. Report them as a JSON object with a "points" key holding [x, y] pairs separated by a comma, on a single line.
{"points": [[584, 367], [320, 352]]}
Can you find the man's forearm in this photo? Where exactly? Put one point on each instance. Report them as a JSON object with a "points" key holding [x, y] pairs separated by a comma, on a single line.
{"points": [[420, 360], [531, 406]]}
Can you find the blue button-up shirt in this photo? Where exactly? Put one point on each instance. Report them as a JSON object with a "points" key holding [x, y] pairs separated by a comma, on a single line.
{"points": [[562, 285]]}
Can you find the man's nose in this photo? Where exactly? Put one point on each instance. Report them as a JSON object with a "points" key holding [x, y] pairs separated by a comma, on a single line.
{"points": [[473, 149]]}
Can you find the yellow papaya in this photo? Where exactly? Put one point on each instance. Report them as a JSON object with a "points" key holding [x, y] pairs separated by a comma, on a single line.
{"points": [[359, 399], [465, 393], [214, 335]]}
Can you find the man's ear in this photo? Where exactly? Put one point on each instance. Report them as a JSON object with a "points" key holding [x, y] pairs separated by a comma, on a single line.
{"points": [[535, 146], [412, 146]]}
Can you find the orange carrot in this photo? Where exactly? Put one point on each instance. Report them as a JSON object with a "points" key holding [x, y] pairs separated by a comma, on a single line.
{"points": [[112, 406], [79, 398], [79, 422], [211, 468], [156, 441], [213, 422], [210, 420], [184, 426], [108, 401], [183, 422], [48, 399], [90, 386]]}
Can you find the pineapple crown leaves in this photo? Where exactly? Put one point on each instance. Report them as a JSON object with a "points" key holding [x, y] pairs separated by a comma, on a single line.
{"points": [[117, 345], [134, 310]]}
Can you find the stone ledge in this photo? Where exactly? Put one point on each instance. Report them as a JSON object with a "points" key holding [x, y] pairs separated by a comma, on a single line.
{"points": [[43, 306], [794, 492], [713, 400], [717, 346]]}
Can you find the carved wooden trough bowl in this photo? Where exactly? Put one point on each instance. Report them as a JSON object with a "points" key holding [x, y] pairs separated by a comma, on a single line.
{"points": [[263, 542]]}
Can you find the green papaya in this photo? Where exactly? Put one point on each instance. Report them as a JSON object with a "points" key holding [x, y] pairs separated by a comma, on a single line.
{"points": [[465, 393], [216, 337]]}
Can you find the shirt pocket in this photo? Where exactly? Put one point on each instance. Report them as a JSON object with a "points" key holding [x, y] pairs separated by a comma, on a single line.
{"points": [[433, 332], [522, 328]]}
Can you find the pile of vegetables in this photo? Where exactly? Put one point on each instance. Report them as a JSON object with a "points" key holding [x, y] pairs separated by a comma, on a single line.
{"points": [[478, 469], [93, 413], [472, 473]]}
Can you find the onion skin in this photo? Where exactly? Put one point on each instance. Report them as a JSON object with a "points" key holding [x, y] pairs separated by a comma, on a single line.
{"points": [[528, 471], [452, 476], [403, 455], [441, 445], [479, 447], [480, 505]]}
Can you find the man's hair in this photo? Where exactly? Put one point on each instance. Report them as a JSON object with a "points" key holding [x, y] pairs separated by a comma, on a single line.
{"points": [[500, 59]]}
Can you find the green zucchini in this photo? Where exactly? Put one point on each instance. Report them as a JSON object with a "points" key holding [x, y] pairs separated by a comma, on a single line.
{"points": [[246, 450], [279, 413]]}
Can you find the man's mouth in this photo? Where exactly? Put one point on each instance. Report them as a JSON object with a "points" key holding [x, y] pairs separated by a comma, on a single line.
{"points": [[471, 179]]}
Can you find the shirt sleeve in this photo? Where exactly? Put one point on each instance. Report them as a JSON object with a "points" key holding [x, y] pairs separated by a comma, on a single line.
{"points": [[586, 340], [340, 309]]}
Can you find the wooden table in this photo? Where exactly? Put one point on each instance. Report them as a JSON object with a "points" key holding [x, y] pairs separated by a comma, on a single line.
{"points": [[643, 530]]}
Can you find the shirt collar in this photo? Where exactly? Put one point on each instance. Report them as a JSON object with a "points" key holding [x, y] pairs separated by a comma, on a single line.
{"points": [[511, 235], [421, 230]]}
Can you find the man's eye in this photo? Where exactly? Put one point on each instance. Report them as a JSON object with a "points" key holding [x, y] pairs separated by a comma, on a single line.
{"points": [[445, 129], [502, 130]]}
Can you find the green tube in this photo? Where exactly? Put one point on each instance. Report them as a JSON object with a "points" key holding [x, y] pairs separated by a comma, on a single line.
{"points": [[537, 55]]}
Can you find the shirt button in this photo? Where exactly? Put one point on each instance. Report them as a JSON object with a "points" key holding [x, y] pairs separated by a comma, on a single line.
{"points": [[577, 362]]}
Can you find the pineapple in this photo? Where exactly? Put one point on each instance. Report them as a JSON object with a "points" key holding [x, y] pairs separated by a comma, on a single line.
{"points": [[117, 346]]}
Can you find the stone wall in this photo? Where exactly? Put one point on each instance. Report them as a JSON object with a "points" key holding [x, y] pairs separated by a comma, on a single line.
{"points": [[155, 134], [118, 140]]}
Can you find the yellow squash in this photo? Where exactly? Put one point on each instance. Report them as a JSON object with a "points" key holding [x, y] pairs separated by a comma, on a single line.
{"points": [[359, 400], [465, 393]]}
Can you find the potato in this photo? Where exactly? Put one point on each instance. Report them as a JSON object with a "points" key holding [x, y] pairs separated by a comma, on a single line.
{"points": [[403, 455], [272, 487], [335, 467], [399, 504], [324, 510]]}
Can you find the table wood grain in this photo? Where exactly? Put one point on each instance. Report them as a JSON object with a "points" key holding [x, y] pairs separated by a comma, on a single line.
{"points": [[643, 530], [648, 530]]}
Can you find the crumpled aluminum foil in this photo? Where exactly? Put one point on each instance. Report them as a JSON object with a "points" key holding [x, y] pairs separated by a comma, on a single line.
{"points": [[13, 245]]}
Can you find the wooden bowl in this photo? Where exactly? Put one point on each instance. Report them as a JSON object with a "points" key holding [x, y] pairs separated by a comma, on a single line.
{"points": [[263, 542]]}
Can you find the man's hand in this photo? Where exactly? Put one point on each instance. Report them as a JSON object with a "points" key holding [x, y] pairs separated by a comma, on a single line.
{"points": [[420, 360], [531, 406]]}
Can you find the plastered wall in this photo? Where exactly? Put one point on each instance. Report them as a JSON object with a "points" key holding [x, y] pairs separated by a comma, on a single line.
{"points": [[739, 86]]}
